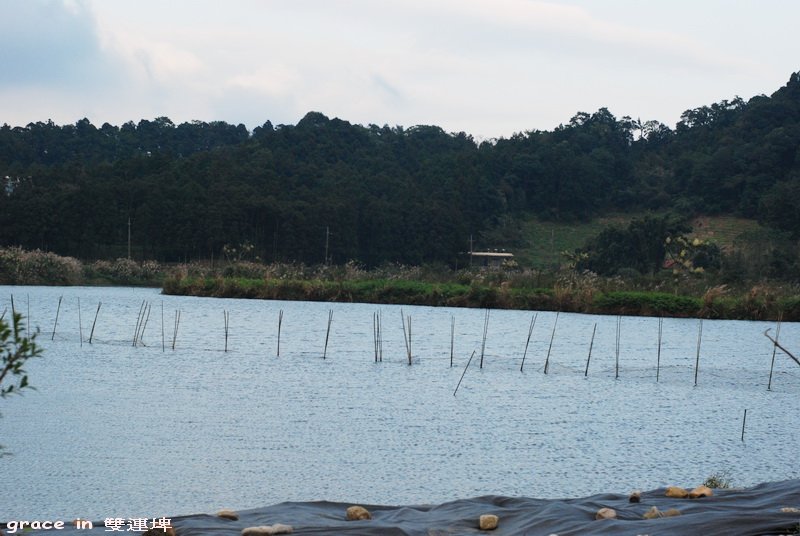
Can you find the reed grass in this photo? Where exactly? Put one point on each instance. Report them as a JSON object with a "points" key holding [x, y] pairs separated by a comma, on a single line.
{"points": [[713, 302]]}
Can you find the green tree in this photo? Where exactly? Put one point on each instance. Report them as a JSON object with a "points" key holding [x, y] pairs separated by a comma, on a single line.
{"points": [[641, 246], [15, 349], [779, 207]]}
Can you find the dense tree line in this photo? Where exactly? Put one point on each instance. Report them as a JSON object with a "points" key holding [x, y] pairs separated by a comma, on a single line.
{"points": [[382, 194]]}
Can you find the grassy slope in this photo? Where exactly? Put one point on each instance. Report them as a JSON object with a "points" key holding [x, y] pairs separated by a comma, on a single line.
{"points": [[546, 240]]}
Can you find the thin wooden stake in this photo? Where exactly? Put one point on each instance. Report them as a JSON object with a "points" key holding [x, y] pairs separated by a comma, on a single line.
{"points": [[2, 316], [744, 420], [405, 335], [591, 343], [375, 334], [175, 330], [785, 351], [13, 317], [409, 339], [80, 324], [452, 337], [280, 321], [527, 342], [697, 359], [163, 346], [485, 330], [658, 357], [91, 335], [619, 329], [774, 350], [380, 336], [144, 323], [327, 334], [138, 322], [463, 373], [376, 328], [226, 316], [58, 309], [552, 336]]}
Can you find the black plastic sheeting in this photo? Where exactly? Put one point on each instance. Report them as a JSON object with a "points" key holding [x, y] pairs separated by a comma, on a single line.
{"points": [[751, 511]]}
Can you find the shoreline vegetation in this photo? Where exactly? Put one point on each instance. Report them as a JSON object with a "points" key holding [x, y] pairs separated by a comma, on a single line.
{"points": [[663, 294], [715, 303]]}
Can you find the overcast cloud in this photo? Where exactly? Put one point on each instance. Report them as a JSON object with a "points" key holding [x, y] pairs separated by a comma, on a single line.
{"points": [[487, 67]]}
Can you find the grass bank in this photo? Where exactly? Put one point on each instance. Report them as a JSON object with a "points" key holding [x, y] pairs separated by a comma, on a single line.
{"points": [[716, 302], [662, 294]]}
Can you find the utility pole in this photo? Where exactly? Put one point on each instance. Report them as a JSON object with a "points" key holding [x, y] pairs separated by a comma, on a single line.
{"points": [[129, 237], [470, 251], [327, 242]]}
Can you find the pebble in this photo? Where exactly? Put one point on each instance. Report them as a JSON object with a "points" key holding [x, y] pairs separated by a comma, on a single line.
{"points": [[655, 513], [488, 522], [358, 513], [676, 493], [700, 491], [228, 514], [606, 513]]}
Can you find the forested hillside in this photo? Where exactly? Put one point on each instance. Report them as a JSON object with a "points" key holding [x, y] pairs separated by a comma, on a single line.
{"points": [[383, 194]]}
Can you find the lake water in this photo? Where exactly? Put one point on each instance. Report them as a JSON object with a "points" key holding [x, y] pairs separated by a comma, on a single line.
{"points": [[115, 430]]}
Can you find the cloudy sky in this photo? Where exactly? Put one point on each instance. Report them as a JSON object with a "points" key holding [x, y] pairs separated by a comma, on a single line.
{"points": [[487, 67]]}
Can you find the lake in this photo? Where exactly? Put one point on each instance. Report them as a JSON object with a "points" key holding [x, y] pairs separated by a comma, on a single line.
{"points": [[117, 430]]}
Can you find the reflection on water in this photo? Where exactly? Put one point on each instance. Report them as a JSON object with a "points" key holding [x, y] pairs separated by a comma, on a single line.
{"points": [[124, 431]]}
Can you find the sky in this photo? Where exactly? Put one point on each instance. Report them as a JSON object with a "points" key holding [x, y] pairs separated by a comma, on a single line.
{"points": [[490, 68]]}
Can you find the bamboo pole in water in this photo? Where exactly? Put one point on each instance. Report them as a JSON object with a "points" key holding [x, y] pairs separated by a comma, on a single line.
{"points": [[616, 366], [327, 334], [80, 324], [163, 345], [784, 350], [527, 342], [591, 344], [138, 321], [697, 359], [58, 309], [485, 330], [144, 324], [91, 334], [175, 330], [658, 356], [226, 315], [280, 321], [13, 316], [452, 337], [552, 337], [380, 336], [376, 331], [405, 335], [409, 339], [774, 350], [463, 373], [744, 420]]}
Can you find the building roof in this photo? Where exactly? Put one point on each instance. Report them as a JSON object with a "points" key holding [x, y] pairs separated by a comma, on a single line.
{"points": [[491, 254]]}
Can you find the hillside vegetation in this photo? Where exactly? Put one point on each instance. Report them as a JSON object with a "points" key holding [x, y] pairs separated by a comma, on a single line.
{"points": [[327, 191]]}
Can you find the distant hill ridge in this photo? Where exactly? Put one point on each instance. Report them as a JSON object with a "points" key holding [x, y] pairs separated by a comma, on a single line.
{"points": [[377, 194]]}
